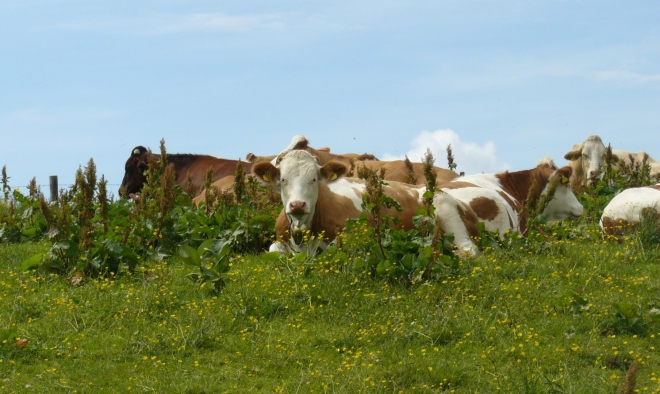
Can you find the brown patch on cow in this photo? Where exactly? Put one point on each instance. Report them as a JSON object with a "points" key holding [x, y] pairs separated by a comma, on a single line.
{"points": [[656, 187], [485, 208], [515, 204], [470, 219], [615, 227]]}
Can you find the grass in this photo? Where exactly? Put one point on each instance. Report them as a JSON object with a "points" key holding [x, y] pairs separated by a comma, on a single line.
{"points": [[570, 319]]}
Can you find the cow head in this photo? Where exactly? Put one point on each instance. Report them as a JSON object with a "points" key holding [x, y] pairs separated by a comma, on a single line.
{"points": [[134, 169], [588, 158], [564, 204], [297, 177]]}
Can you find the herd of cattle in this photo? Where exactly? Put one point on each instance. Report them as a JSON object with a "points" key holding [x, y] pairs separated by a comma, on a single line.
{"points": [[319, 190]]}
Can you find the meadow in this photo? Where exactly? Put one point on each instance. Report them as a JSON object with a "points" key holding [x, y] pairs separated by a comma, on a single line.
{"points": [[155, 296]]}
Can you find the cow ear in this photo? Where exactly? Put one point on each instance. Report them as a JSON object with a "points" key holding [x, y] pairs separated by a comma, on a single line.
{"points": [[565, 175], [266, 172], [333, 170], [573, 155]]}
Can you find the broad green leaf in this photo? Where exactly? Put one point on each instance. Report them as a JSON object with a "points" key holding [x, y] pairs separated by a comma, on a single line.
{"points": [[189, 255], [32, 262], [271, 256], [207, 273], [300, 258], [206, 245], [629, 311]]}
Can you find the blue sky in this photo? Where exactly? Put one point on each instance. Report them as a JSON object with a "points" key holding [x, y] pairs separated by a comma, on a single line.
{"points": [[506, 82]]}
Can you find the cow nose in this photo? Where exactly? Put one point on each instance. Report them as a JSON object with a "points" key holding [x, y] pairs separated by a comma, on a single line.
{"points": [[593, 174], [297, 207]]}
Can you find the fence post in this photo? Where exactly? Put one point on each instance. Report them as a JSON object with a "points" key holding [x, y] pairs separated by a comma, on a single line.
{"points": [[53, 188]]}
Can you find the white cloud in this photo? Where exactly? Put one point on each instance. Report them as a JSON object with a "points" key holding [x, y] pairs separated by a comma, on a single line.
{"points": [[470, 157], [626, 76]]}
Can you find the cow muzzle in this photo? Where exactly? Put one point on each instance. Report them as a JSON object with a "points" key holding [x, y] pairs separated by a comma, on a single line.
{"points": [[298, 208]]}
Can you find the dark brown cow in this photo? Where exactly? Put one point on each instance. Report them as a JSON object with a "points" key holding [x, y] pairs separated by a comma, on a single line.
{"points": [[185, 165]]}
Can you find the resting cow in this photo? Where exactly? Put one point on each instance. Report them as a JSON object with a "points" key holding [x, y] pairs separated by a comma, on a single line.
{"points": [[627, 208], [588, 158], [498, 199], [184, 165], [320, 199], [395, 170]]}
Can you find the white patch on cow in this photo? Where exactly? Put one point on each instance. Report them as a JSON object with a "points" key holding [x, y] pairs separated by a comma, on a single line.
{"points": [[506, 214], [564, 204], [136, 151], [629, 204], [350, 189], [547, 161], [446, 208]]}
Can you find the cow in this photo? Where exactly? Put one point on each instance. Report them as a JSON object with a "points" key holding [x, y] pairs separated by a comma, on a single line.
{"points": [[185, 165], [300, 142], [588, 158], [320, 198], [395, 170], [498, 199], [628, 207]]}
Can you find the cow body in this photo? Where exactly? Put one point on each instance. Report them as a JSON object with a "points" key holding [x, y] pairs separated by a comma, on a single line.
{"points": [[320, 199], [498, 199], [185, 166], [395, 170], [588, 158], [627, 208]]}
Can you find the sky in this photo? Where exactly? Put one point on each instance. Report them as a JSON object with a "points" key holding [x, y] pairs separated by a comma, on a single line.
{"points": [[505, 82]]}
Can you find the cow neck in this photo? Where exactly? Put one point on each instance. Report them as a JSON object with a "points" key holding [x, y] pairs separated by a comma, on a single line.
{"points": [[315, 225], [519, 183]]}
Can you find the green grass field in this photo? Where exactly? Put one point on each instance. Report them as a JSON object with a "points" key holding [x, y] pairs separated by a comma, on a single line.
{"points": [[576, 316]]}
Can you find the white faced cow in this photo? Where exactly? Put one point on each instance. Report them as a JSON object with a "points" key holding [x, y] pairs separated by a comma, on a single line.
{"points": [[320, 199], [626, 208], [498, 199], [588, 158]]}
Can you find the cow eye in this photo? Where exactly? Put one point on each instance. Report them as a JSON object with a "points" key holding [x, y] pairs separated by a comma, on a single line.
{"points": [[283, 181]]}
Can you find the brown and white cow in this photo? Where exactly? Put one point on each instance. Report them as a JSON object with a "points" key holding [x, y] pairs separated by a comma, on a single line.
{"points": [[185, 165], [395, 170], [320, 199], [300, 142], [498, 199], [627, 208], [588, 158]]}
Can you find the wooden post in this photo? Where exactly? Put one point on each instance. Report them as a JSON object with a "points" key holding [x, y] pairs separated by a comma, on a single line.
{"points": [[53, 188]]}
